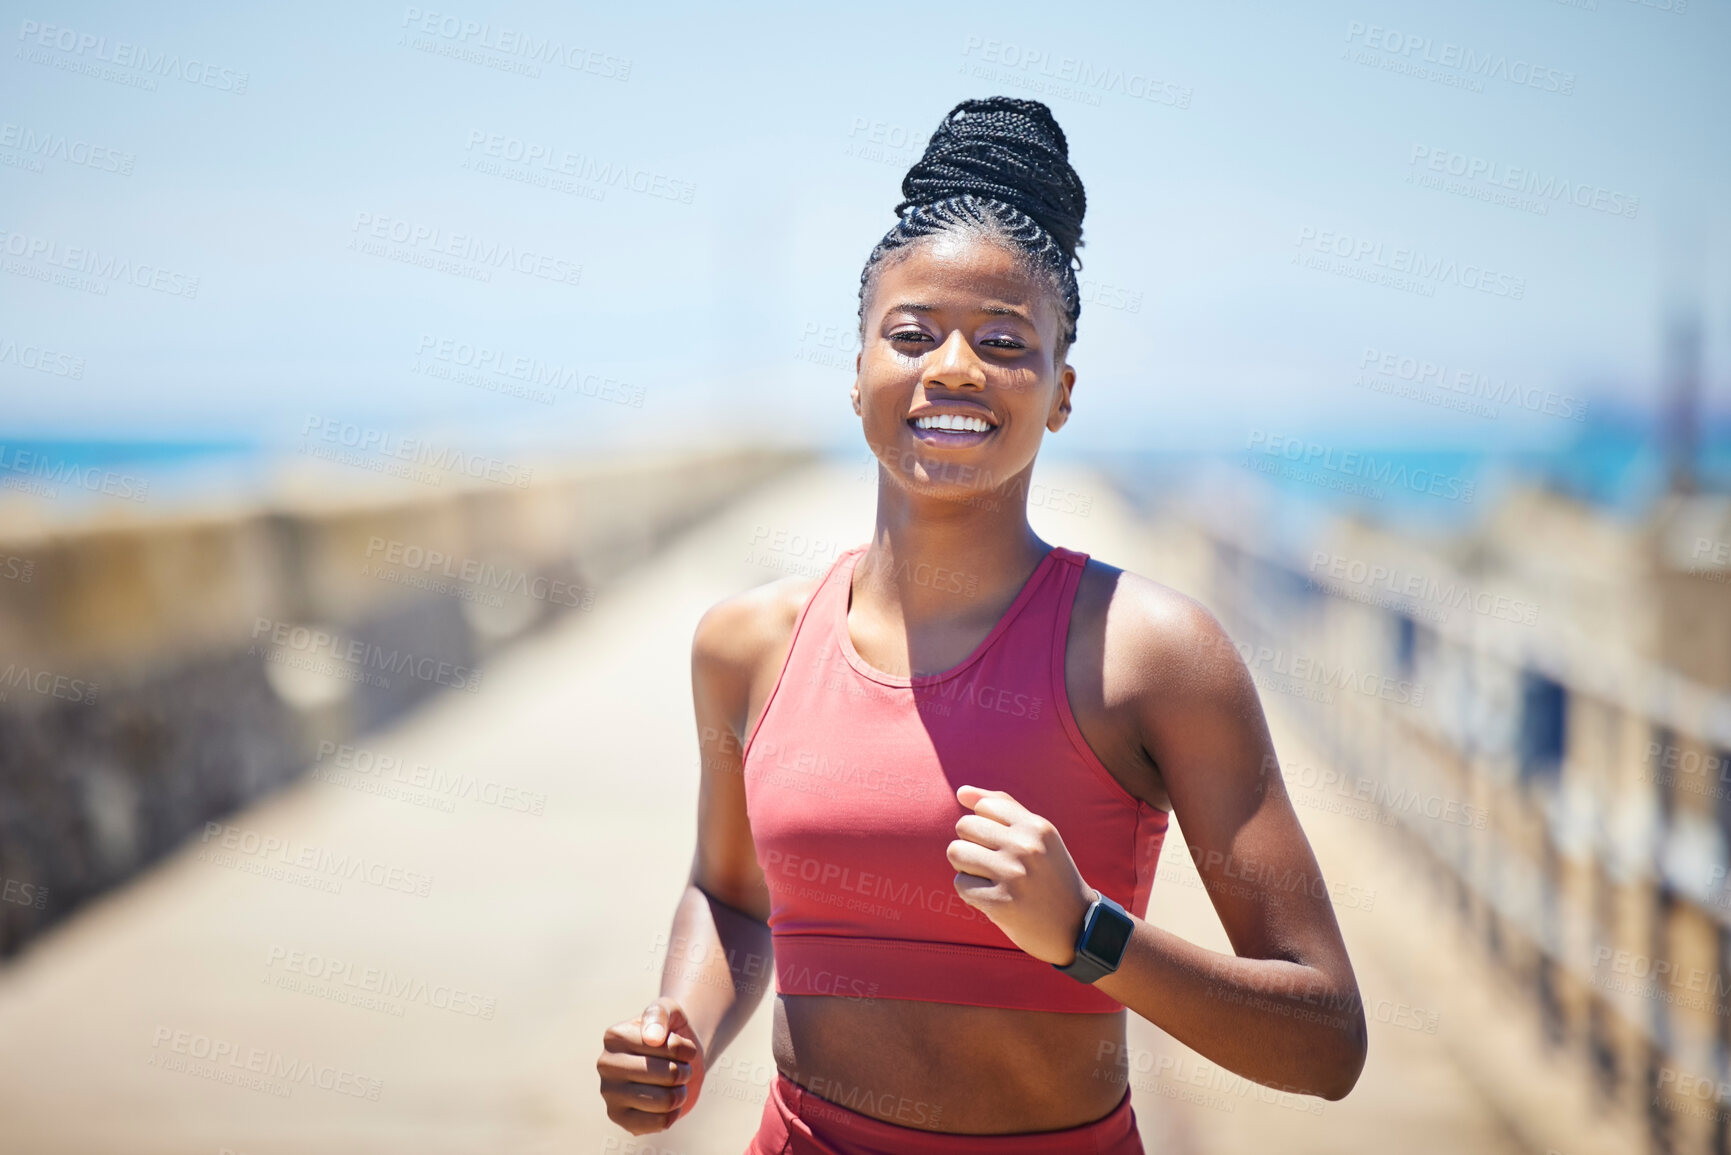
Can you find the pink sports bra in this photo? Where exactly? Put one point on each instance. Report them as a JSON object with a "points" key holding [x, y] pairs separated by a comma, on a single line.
{"points": [[850, 783]]}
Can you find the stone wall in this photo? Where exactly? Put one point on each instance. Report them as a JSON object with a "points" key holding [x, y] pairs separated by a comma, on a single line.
{"points": [[158, 674]]}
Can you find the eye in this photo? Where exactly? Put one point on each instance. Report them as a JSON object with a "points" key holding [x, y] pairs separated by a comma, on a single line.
{"points": [[1003, 342], [909, 335]]}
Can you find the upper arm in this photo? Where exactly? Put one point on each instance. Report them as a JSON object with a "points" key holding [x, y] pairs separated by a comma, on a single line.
{"points": [[736, 653], [1203, 725]]}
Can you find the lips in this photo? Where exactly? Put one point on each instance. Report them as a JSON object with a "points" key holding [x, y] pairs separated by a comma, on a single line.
{"points": [[952, 423], [951, 437], [969, 409]]}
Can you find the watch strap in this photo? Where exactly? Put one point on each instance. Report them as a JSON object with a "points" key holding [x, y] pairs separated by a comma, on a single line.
{"points": [[1088, 966]]}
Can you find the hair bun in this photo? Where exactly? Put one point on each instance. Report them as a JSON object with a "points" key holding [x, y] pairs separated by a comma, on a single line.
{"points": [[1006, 150]]}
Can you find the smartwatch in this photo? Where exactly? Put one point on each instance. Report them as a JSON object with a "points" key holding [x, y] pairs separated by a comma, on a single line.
{"points": [[1105, 932]]}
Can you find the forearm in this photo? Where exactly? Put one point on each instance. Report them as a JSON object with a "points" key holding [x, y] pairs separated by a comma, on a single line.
{"points": [[718, 966], [1278, 1023]]}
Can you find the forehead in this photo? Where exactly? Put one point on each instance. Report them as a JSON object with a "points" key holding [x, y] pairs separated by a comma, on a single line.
{"points": [[959, 270]]}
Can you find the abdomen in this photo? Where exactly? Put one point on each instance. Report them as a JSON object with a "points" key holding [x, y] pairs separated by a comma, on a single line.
{"points": [[949, 1067]]}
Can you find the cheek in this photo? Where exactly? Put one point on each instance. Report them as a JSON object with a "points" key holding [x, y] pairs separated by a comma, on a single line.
{"points": [[1032, 396], [883, 361], [884, 384]]}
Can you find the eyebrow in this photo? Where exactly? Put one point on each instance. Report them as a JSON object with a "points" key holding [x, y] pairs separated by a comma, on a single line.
{"points": [[994, 310]]}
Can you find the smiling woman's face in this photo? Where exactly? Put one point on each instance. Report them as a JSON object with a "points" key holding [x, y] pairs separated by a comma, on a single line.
{"points": [[958, 326]]}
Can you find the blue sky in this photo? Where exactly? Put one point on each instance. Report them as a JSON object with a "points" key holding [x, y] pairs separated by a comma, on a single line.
{"points": [[1223, 146]]}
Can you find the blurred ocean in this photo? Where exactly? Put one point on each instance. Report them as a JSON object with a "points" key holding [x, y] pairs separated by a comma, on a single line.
{"points": [[1613, 461]]}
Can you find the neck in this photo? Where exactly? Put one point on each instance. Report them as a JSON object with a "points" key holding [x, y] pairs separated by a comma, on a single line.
{"points": [[942, 558]]}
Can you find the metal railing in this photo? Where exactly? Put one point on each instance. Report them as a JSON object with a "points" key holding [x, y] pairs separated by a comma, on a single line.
{"points": [[1585, 799]]}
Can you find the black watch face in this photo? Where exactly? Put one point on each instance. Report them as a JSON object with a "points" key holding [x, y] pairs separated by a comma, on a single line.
{"points": [[1108, 936]]}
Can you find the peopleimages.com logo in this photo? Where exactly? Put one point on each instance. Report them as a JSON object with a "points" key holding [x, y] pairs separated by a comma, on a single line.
{"points": [[133, 64], [257, 1068], [1426, 58], [1360, 467], [355, 659], [89, 269], [1468, 383], [466, 254], [1405, 267], [503, 47], [1070, 76], [40, 359], [35, 145], [383, 444], [1517, 186]]}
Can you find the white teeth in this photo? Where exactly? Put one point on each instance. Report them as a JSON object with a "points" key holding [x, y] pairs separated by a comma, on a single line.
{"points": [[954, 422]]}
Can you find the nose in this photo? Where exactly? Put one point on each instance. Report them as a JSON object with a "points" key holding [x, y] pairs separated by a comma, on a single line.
{"points": [[954, 366]]}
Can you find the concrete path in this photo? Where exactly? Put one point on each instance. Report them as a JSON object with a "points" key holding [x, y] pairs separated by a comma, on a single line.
{"points": [[449, 996]]}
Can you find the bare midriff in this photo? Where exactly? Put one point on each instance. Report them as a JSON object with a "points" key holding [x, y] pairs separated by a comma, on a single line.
{"points": [[949, 1067]]}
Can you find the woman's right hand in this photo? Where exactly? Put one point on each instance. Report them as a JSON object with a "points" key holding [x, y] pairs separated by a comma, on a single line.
{"points": [[651, 1068]]}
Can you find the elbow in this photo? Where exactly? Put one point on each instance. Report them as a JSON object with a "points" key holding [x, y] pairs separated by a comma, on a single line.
{"points": [[1332, 1065], [1340, 1088], [1347, 1063]]}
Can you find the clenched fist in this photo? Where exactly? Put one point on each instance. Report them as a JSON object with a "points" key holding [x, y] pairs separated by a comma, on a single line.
{"points": [[651, 1068], [1012, 866]]}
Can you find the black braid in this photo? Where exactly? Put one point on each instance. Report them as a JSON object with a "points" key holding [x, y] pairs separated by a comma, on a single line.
{"points": [[998, 166]]}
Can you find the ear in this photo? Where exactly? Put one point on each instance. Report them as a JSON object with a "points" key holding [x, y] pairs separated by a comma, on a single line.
{"points": [[853, 393], [1061, 403]]}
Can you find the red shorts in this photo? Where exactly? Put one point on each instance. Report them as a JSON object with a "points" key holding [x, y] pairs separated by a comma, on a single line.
{"points": [[797, 1122]]}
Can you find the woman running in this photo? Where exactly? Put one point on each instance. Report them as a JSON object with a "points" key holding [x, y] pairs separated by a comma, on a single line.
{"points": [[936, 780]]}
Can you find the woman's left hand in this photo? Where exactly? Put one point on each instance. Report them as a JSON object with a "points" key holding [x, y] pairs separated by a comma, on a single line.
{"points": [[1013, 867]]}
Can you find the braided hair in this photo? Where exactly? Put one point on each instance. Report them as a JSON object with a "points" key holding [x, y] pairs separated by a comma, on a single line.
{"points": [[998, 167]]}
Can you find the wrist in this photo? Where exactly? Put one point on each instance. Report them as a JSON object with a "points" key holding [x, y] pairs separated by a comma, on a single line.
{"points": [[1100, 944], [1078, 922]]}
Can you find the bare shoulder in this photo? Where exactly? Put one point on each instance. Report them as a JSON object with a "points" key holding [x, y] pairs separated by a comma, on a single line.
{"points": [[741, 641], [1178, 685], [1158, 640], [737, 630]]}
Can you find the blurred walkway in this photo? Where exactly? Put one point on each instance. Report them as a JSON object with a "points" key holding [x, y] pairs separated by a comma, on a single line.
{"points": [[450, 996]]}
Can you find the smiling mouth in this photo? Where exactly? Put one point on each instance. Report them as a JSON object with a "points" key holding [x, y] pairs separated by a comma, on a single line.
{"points": [[951, 429]]}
